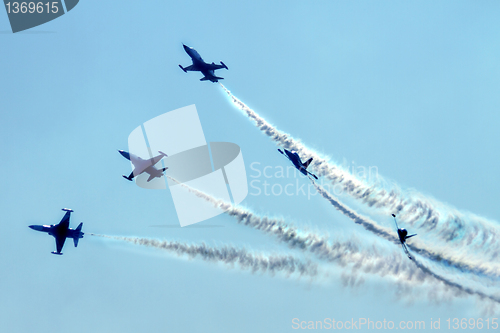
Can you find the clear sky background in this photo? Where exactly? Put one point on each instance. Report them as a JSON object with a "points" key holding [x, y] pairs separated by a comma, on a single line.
{"points": [[410, 88]]}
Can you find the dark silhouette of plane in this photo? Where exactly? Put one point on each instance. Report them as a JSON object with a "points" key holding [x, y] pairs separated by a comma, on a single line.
{"points": [[199, 65], [297, 162], [403, 236], [61, 231]]}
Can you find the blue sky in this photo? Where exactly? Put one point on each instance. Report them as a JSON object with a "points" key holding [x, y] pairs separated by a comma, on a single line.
{"points": [[410, 88]]}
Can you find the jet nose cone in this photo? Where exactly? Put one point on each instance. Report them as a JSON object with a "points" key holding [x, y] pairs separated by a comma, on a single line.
{"points": [[186, 48], [124, 154], [36, 227]]}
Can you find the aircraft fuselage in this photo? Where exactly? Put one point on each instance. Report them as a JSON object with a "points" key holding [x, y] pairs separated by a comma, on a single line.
{"points": [[195, 56], [402, 233], [58, 232], [297, 162]]}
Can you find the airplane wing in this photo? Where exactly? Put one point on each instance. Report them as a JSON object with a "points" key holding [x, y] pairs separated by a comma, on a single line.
{"points": [[156, 159], [60, 243], [191, 68], [60, 230], [213, 66], [397, 227], [65, 221], [405, 249]]}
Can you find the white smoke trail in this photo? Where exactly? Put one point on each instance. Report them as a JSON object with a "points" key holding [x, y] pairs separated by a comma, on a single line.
{"points": [[455, 285], [469, 263], [230, 256], [342, 253], [420, 212]]}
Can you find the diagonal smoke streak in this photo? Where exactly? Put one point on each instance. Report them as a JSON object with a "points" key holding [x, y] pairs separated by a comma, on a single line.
{"points": [[230, 256], [421, 212], [462, 263], [343, 254], [455, 285]]}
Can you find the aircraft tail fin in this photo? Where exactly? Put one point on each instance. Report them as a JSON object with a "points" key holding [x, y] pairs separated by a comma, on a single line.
{"points": [[77, 237], [308, 162]]}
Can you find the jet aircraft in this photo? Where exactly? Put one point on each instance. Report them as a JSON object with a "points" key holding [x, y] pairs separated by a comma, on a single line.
{"points": [[199, 65], [402, 233], [142, 165], [61, 231], [295, 159]]}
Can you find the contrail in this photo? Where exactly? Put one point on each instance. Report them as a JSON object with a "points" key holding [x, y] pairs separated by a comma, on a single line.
{"points": [[455, 285], [462, 263], [341, 253], [230, 256], [420, 212]]}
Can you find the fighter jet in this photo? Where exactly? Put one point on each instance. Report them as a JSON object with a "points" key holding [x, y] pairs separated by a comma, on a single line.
{"points": [[402, 233], [199, 65], [141, 165], [295, 159], [61, 231]]}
